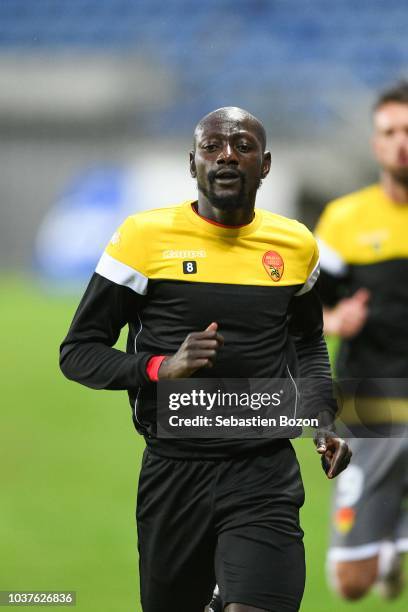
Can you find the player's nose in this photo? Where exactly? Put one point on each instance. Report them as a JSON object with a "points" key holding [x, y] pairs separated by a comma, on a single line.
{"points": [[401, 137], [227, 155]]}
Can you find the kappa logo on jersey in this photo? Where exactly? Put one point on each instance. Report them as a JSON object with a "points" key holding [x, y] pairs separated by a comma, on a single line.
{"points": [[374, 239], [273, 264], [344, 519], [179, 254]]}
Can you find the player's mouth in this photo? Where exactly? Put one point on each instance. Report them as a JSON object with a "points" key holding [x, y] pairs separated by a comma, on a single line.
{"points": [[227, 177], [403, 158]]}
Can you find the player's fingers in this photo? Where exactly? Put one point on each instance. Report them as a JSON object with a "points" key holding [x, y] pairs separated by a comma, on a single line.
{"points": [[205, 343], [198, 354], [205, 335], [321, 444], [202, 353], [325, 464], [216, 342], [220, 339], [198, 337], [196, 364], [213, 327], [362, 295], [340, 460], [201, 335]]}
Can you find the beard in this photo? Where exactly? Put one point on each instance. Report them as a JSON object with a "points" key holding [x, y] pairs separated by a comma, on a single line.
{"points": [[224, 202], [400, 175]]}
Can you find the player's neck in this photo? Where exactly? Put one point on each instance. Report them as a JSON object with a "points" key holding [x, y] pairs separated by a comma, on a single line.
{"points": [[239, 216], [397, 191]]}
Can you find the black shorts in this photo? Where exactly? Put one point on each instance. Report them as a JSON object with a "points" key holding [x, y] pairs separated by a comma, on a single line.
{"points": [[232, 522]]}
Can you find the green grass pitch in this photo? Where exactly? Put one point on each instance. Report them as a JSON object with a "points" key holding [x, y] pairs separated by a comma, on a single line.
{"points": [[69, 468]]}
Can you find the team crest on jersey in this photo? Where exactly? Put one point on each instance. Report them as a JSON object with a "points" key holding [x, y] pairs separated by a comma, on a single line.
{"points": [[273, 264], [344, 519]]}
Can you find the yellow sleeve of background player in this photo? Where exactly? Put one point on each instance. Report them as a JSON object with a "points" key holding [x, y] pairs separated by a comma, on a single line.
{"points": [[331, 233], [313, 270]]}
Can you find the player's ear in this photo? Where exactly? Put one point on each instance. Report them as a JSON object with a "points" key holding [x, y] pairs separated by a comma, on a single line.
{"points": [[193, 170], [266, 165]]}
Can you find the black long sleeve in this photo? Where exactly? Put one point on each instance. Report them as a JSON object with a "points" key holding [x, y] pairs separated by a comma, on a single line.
{"points": [[86, 354], [314, 372], [332, 288]]}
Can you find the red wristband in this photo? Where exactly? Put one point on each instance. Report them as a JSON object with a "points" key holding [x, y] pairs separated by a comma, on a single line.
{"points": [[152, 367]]}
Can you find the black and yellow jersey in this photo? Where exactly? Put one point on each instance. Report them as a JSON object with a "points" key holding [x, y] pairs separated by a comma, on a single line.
{"points": [[168, 272], [363, 242]]}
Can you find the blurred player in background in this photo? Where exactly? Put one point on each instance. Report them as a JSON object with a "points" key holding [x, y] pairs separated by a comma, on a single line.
{"points": [[363, 239]]}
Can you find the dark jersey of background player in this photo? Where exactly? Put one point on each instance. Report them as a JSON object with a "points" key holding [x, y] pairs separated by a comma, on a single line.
{"points": [[211, 288]]}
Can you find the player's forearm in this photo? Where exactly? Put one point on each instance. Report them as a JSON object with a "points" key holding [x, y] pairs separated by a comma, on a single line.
{"points": [[102, 367], [306, 327], [331, 322], [86, 354], [316, 379]]}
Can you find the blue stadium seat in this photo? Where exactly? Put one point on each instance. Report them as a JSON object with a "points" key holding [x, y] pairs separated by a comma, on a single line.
{"points": [[220, 47]]}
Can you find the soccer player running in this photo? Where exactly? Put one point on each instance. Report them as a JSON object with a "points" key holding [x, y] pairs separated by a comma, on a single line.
{"points": [[194, 286], [363, 240]]}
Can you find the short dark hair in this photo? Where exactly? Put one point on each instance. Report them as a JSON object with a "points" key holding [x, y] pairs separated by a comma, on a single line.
{"points": [[397, 93]]}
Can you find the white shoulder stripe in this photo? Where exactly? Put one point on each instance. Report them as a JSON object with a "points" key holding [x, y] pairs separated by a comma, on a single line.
{"points": [[122, 274], [313, 276], [330, 260]]}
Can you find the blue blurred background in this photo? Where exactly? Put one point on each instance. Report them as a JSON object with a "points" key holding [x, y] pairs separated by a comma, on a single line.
{"points": [[98, 102], [123, 82]]}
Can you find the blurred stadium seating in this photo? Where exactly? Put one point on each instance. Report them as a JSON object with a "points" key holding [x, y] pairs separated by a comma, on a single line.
{"points": [[84, 82], [224, 49]]}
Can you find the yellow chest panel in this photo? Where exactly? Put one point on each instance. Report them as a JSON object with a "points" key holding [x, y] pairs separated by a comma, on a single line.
{"points": [[175, 244]]}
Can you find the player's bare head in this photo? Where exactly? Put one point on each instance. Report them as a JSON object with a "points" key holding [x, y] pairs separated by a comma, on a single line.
{"points": [[390, 139], [229, 159], [231, 117]]}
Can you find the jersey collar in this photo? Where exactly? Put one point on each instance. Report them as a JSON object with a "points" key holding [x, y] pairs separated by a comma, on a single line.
{"points": [[217, 229]]}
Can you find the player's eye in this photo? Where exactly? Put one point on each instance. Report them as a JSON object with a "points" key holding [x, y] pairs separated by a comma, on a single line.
{"points": [[243, 147], [211, 146]]}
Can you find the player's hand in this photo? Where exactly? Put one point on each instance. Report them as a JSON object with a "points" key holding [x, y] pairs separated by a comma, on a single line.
{"points": [[198, 350], [335, 453], [349, 316]]}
